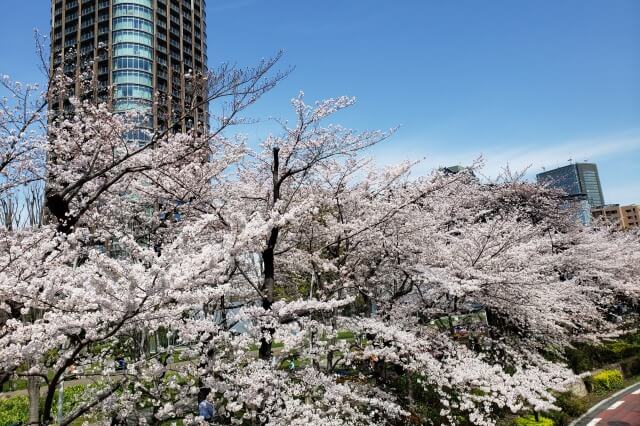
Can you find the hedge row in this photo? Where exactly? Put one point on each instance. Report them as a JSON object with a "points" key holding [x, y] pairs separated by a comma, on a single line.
{"points": [[586, 357]]}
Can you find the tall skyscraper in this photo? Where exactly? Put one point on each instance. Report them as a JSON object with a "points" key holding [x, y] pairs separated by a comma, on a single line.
{"points": [[140, 54], [580, 179]]}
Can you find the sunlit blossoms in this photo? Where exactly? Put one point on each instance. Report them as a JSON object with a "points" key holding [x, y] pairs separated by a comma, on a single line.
{"points": [[292, 283]]}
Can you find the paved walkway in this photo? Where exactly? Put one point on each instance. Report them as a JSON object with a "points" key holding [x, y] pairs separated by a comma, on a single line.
{"points": [[43, 388], [622, 409]]}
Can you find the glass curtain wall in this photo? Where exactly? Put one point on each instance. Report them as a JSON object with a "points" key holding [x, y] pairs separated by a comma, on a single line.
{"points": [[132, 23]]}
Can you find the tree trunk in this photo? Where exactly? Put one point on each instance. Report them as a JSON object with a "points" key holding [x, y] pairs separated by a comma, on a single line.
{"points": [[409, 376], [268, 260], [267, 298], [368, 304], [33, 388]]}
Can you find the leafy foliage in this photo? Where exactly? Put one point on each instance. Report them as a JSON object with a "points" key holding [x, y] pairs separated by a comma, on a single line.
{"points": [[14, 410], [531, 421], [606, 380], [571, 404], [586, 356]]}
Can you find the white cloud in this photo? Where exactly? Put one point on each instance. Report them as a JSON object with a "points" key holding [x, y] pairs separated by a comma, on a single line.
{"points": [[516, 156]]}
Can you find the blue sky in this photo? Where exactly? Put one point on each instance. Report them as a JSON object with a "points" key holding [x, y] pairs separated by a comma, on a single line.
{"points": [[525, 83]]}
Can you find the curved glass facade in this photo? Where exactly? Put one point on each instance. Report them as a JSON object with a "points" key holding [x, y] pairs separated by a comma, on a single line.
{"points": [[133, 91], [127, 23], [133, 36], [134, 10], [146, 3], [132, 77], [132, 63], [132, 49]]}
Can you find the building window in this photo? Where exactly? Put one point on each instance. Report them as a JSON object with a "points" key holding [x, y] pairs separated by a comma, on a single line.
{"points": [[132, 49], [132, 36], [132, 23]]}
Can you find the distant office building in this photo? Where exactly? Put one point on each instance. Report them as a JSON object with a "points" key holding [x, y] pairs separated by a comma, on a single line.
{"points": [[624, 216], [453, 170], [576, 179]]}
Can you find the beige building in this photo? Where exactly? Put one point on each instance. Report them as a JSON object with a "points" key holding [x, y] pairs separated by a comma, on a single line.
{"points": [[625, 216]]}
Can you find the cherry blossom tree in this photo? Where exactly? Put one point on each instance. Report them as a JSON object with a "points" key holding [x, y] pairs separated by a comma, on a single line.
{"points": [[92, 170], [297, 282], [319, 236]]}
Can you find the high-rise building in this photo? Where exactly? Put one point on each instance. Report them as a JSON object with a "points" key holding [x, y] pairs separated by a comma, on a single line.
{"points": [[140, 54], [580, 179]]}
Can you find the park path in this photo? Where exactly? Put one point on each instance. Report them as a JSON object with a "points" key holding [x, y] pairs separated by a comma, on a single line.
{"points": [[43, 389]]}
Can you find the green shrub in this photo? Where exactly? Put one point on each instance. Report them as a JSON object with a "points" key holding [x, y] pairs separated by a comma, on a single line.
{"points": [[531, 421], [631, 368], [622, 349], [72, 397], [560, 418], [14, 410], [606, 380], [571, 407], [571, 404], [345, 335], [579, 359], [585, 357]]}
